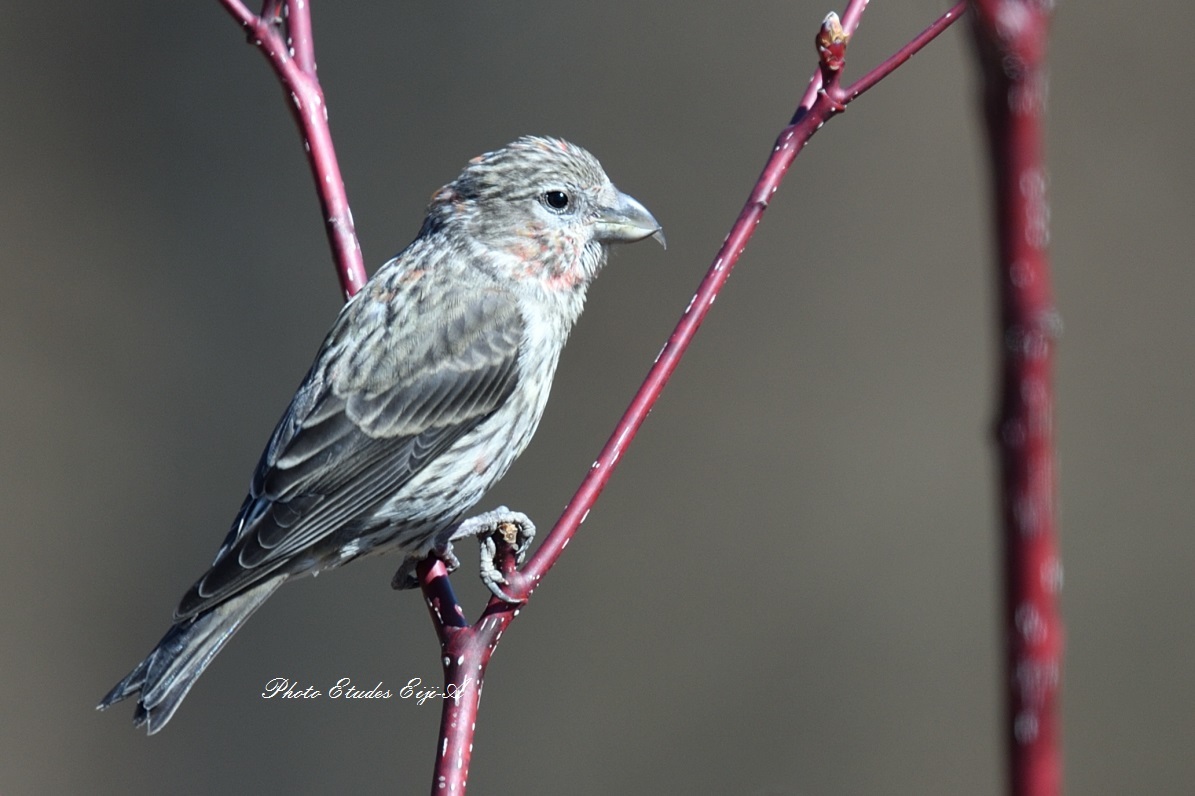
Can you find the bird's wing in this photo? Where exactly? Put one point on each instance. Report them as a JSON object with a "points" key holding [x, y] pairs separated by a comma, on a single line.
{"points": [[367, 418]]}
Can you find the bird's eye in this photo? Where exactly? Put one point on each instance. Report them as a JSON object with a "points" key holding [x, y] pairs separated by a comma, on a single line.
{"points": [[557, 201]]}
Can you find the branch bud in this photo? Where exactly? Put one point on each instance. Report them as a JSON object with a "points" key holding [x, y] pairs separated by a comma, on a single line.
{"points": [[831, 43]]}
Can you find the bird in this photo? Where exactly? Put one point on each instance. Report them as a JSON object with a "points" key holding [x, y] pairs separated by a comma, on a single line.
{"points": [[430, 383]]}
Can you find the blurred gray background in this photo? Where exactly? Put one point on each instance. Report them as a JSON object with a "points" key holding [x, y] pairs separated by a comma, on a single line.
{"points": [[790, 585]]}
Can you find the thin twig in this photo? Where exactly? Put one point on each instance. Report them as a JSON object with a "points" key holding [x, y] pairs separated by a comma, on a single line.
{"points": [[467, 651], [811, 114], [283, 34]]}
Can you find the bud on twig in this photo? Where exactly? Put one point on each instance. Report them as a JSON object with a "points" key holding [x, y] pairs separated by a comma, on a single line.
{"points": [[831, 43]]}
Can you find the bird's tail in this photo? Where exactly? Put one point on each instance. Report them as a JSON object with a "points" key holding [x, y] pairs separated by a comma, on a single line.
{"points": [[167, 673]]}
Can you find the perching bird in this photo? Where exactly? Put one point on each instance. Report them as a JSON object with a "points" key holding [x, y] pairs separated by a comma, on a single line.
{"points": [[429, 385]]}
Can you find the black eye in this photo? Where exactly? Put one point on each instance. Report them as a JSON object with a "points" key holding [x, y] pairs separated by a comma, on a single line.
{"points": [[556, 200]]}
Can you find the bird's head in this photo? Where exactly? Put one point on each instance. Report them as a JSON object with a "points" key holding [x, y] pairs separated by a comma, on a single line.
{"points": [[544, 208]]}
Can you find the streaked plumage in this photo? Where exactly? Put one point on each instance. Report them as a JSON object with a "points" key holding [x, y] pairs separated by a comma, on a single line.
{"points": [[428, 386]]}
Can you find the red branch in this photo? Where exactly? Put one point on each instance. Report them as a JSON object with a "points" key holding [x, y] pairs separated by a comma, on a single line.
{"points": [[467, 649], [283, 34], [1012, 38]]}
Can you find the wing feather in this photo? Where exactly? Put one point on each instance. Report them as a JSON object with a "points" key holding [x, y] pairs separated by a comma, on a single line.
{"points": [[358, 430]]}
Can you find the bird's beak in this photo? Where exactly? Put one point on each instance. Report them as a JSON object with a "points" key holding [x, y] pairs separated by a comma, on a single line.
{"points": [[627, 221]]}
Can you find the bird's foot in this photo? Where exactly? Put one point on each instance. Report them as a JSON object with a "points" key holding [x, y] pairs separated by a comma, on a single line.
{"points": [[513, 528], [407, 576]]}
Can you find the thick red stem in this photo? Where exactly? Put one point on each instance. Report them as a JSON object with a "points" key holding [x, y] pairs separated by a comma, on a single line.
{"points": [[1012, 38]]}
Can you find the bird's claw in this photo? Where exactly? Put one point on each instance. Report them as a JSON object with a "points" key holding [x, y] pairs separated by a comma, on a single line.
{"points": [[407, 576], [514, 528], [491, 576]]}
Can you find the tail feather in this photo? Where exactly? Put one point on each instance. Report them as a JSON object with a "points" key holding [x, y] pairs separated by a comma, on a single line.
{"points": [[167, 673]]}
